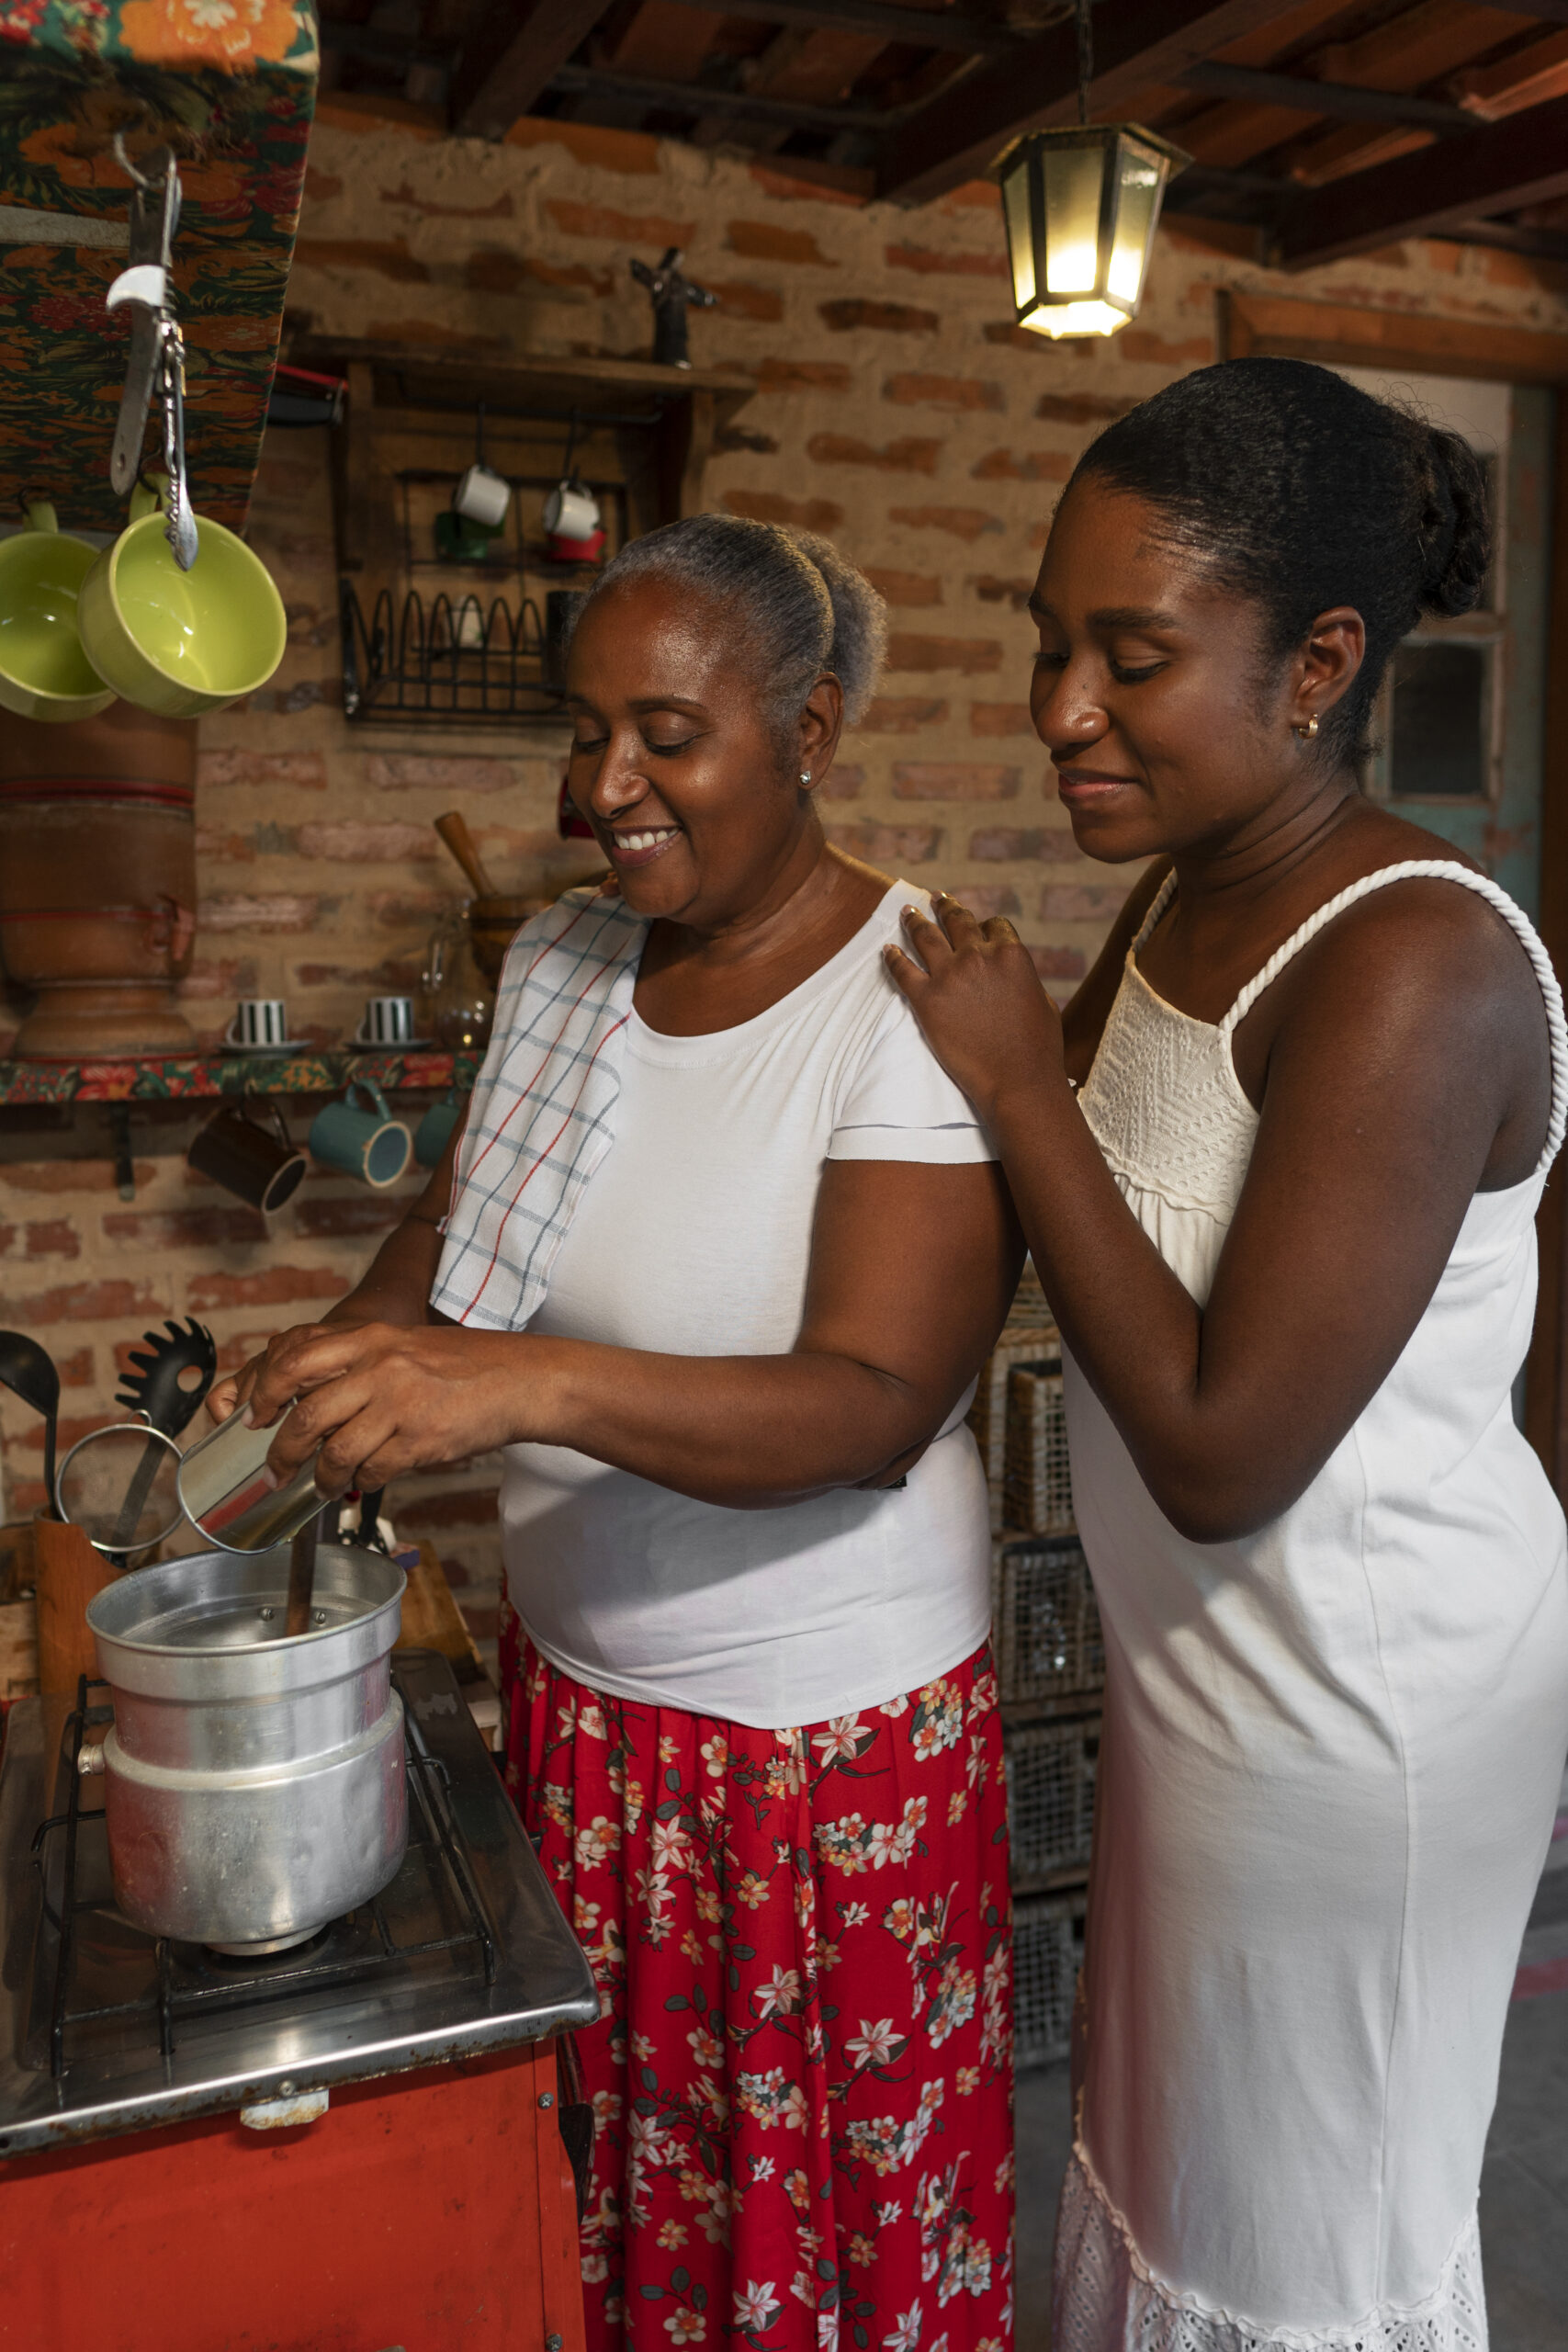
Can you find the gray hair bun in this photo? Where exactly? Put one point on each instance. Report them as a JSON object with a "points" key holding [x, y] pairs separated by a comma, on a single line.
{"points": [[802, 605]]}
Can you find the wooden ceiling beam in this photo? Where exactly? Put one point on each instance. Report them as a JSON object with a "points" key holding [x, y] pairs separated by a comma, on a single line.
{"points": [[1523, 161], [693, 98], [920, 28], [960, 133], [1346, 101], [509, 58]]}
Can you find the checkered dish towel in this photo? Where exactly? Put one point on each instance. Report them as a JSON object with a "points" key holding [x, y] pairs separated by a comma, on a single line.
{"points": [[542, 1113]]}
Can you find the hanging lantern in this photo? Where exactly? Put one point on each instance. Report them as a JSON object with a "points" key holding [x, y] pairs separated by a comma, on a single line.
{"points": [[1081, 206]]}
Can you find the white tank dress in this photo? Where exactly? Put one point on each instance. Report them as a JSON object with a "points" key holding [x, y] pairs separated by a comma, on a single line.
{"points": [[1329, 1767]]}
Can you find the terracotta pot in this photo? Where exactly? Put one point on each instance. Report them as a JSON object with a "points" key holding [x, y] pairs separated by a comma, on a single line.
{"points": [[97, 882]]}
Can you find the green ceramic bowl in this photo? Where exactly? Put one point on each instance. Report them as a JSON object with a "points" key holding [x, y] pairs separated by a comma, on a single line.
{"points": [[182, 643], [44, 673]]}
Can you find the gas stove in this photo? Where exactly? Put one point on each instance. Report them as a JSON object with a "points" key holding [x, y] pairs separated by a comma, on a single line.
{"points": [[106, 2030]]}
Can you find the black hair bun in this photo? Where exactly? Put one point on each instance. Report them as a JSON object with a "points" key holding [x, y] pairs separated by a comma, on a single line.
{"points": [[1456, 528]]}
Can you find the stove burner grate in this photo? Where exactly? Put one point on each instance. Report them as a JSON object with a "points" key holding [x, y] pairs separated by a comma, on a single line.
{"points": [[190, 1980]]}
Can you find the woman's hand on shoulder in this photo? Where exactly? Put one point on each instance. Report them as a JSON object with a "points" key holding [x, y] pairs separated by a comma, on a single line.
{"points": [[973, 989]]}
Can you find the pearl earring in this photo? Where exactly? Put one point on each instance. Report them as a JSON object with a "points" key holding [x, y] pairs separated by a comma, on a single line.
{"points": [[1308, 730]]}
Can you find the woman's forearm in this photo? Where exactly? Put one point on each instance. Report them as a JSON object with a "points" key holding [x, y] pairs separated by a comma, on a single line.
{"points": [[396, 1285]]}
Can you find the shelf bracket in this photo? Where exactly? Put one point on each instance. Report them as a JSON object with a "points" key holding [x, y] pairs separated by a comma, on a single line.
{"points": [[124, 1165]]}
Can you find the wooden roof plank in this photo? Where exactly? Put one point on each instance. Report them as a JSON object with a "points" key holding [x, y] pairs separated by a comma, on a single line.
{"points": [[960, 134], [1524, 161], [509, 59]]}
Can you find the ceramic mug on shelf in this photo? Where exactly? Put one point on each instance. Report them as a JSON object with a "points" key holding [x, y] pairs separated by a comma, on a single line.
{"points": [[434, 1132], [571, 512], [369, 1144], [258, 1021], [180, 642], [386, 1021], [237, 1152], [44, 672]]}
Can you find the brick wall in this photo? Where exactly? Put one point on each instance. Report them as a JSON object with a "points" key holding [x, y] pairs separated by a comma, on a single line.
{"points": [[895, 407]]}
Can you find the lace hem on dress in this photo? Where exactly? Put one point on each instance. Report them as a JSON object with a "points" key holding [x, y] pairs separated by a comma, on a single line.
{"points": [[1107, 2300]]}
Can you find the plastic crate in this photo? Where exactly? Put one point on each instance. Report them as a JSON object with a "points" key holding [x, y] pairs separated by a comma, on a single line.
{"points": [[1044, 1622], [1047, 1953], [1050, 1774], [1038, 1486]]}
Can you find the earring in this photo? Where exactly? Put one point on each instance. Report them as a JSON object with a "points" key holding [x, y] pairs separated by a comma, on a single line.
{"points": [[1308, 730], [806, 776]]}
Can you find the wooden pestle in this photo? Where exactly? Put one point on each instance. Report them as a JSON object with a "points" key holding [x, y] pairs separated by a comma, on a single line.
{"points": [[455, 832]]}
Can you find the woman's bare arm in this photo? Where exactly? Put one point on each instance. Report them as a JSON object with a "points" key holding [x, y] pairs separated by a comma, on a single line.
{"points": [[1414, 1037], [912, 1270]]}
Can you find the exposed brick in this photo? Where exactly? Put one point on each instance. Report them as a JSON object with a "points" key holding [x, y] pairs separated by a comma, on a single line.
{"points": [[1139, 344], [900, 714], [111, 1301], [1058, 963], [844, 782], [184, 1229], [75, 1370], [499, 208], [274, 771], [991, 590], [1033, 465], [68, 1175], [69, 1430], [953, 780], [278, 1286], [908, 651], [739, 302], [1000, 719], [360, 1213], [362, 844], [959, 395], [886, 318], [927, 262], [393, 974], [818, 183], [280, 911], [888, 845], [766, 241], [321, 187], [416, 772], [574, 219], [397, 910], [903, 456], [963, 522], [53, 1237], [801, 376], [1082, 901], [905, 587], [987, 899], [770, 507], [1083, 408], [496, 270], [433, 334], [1005, 844], [611, 150], [388, 258], [740, 436]]}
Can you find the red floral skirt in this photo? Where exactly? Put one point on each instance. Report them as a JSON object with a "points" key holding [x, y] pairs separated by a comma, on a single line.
{"points": [[802, 2079]]}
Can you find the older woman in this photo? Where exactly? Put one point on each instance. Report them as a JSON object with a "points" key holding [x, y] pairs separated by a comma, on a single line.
{"points": [[718, 1261], [1279, 1166]]}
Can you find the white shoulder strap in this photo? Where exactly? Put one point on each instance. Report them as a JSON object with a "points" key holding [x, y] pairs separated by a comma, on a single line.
{"points": [[1163, 898], [1436, 869]]}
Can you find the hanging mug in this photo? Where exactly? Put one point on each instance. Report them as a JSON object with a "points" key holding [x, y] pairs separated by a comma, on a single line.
{"points": [[44, 672], [181, 642], [434, 1132], [482, 496], [261, 1169], [368, 1144]]}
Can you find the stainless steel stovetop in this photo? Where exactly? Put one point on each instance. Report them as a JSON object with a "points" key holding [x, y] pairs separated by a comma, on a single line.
{"points": [[104, 2029]]}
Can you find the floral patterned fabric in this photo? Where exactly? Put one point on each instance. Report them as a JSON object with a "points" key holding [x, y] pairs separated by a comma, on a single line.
{"points": [[802, 2081]]}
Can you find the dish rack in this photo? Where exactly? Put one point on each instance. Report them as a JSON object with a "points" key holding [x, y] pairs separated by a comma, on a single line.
{"points": [[456, 660]]}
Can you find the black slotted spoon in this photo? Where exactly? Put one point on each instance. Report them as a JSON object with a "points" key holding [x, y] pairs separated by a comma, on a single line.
{"points": [[153, 1389]]}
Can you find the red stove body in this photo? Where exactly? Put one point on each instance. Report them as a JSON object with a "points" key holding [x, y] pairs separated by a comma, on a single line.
{"points": [[428, 2212]]}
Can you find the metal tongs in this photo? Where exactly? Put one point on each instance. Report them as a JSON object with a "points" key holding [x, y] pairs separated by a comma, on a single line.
{"points": [[157, 347]]}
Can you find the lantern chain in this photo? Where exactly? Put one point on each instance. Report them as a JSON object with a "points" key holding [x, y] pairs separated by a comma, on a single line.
{"points": [[1086, 57]]}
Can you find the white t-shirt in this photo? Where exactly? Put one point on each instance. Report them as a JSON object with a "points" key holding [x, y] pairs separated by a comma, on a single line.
{"points": [[693, 1238]]}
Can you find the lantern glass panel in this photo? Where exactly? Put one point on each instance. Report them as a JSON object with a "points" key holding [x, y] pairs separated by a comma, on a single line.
{"points": [[1142, 175], [1074, 176], [1076, 318], [1020, 240]]}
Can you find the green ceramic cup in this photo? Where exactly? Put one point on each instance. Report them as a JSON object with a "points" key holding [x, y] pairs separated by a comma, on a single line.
{"points": [[368, 1144], [181, 642], [44, 673]]}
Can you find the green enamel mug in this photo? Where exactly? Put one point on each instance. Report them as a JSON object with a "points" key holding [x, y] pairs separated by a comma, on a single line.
{"points": [[181, 642], [44, 672], [369, 1144]]}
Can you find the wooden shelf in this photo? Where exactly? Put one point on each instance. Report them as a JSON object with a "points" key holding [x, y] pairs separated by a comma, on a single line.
{"points": [[201, 1077]]}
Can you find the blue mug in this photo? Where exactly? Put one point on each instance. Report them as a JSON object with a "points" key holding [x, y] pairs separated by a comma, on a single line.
{"points": [[434, 1132], [369, 1144]]}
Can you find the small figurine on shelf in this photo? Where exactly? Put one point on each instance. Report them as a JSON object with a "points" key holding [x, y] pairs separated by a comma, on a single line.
{"points": [[673, 293]]}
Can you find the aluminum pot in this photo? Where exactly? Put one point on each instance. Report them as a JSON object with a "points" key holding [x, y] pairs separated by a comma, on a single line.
{"points": [[253, 1785]]}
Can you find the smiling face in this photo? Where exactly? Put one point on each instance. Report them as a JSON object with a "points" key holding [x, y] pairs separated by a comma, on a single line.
{"points": [[675, 761], [1169, 725]]}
